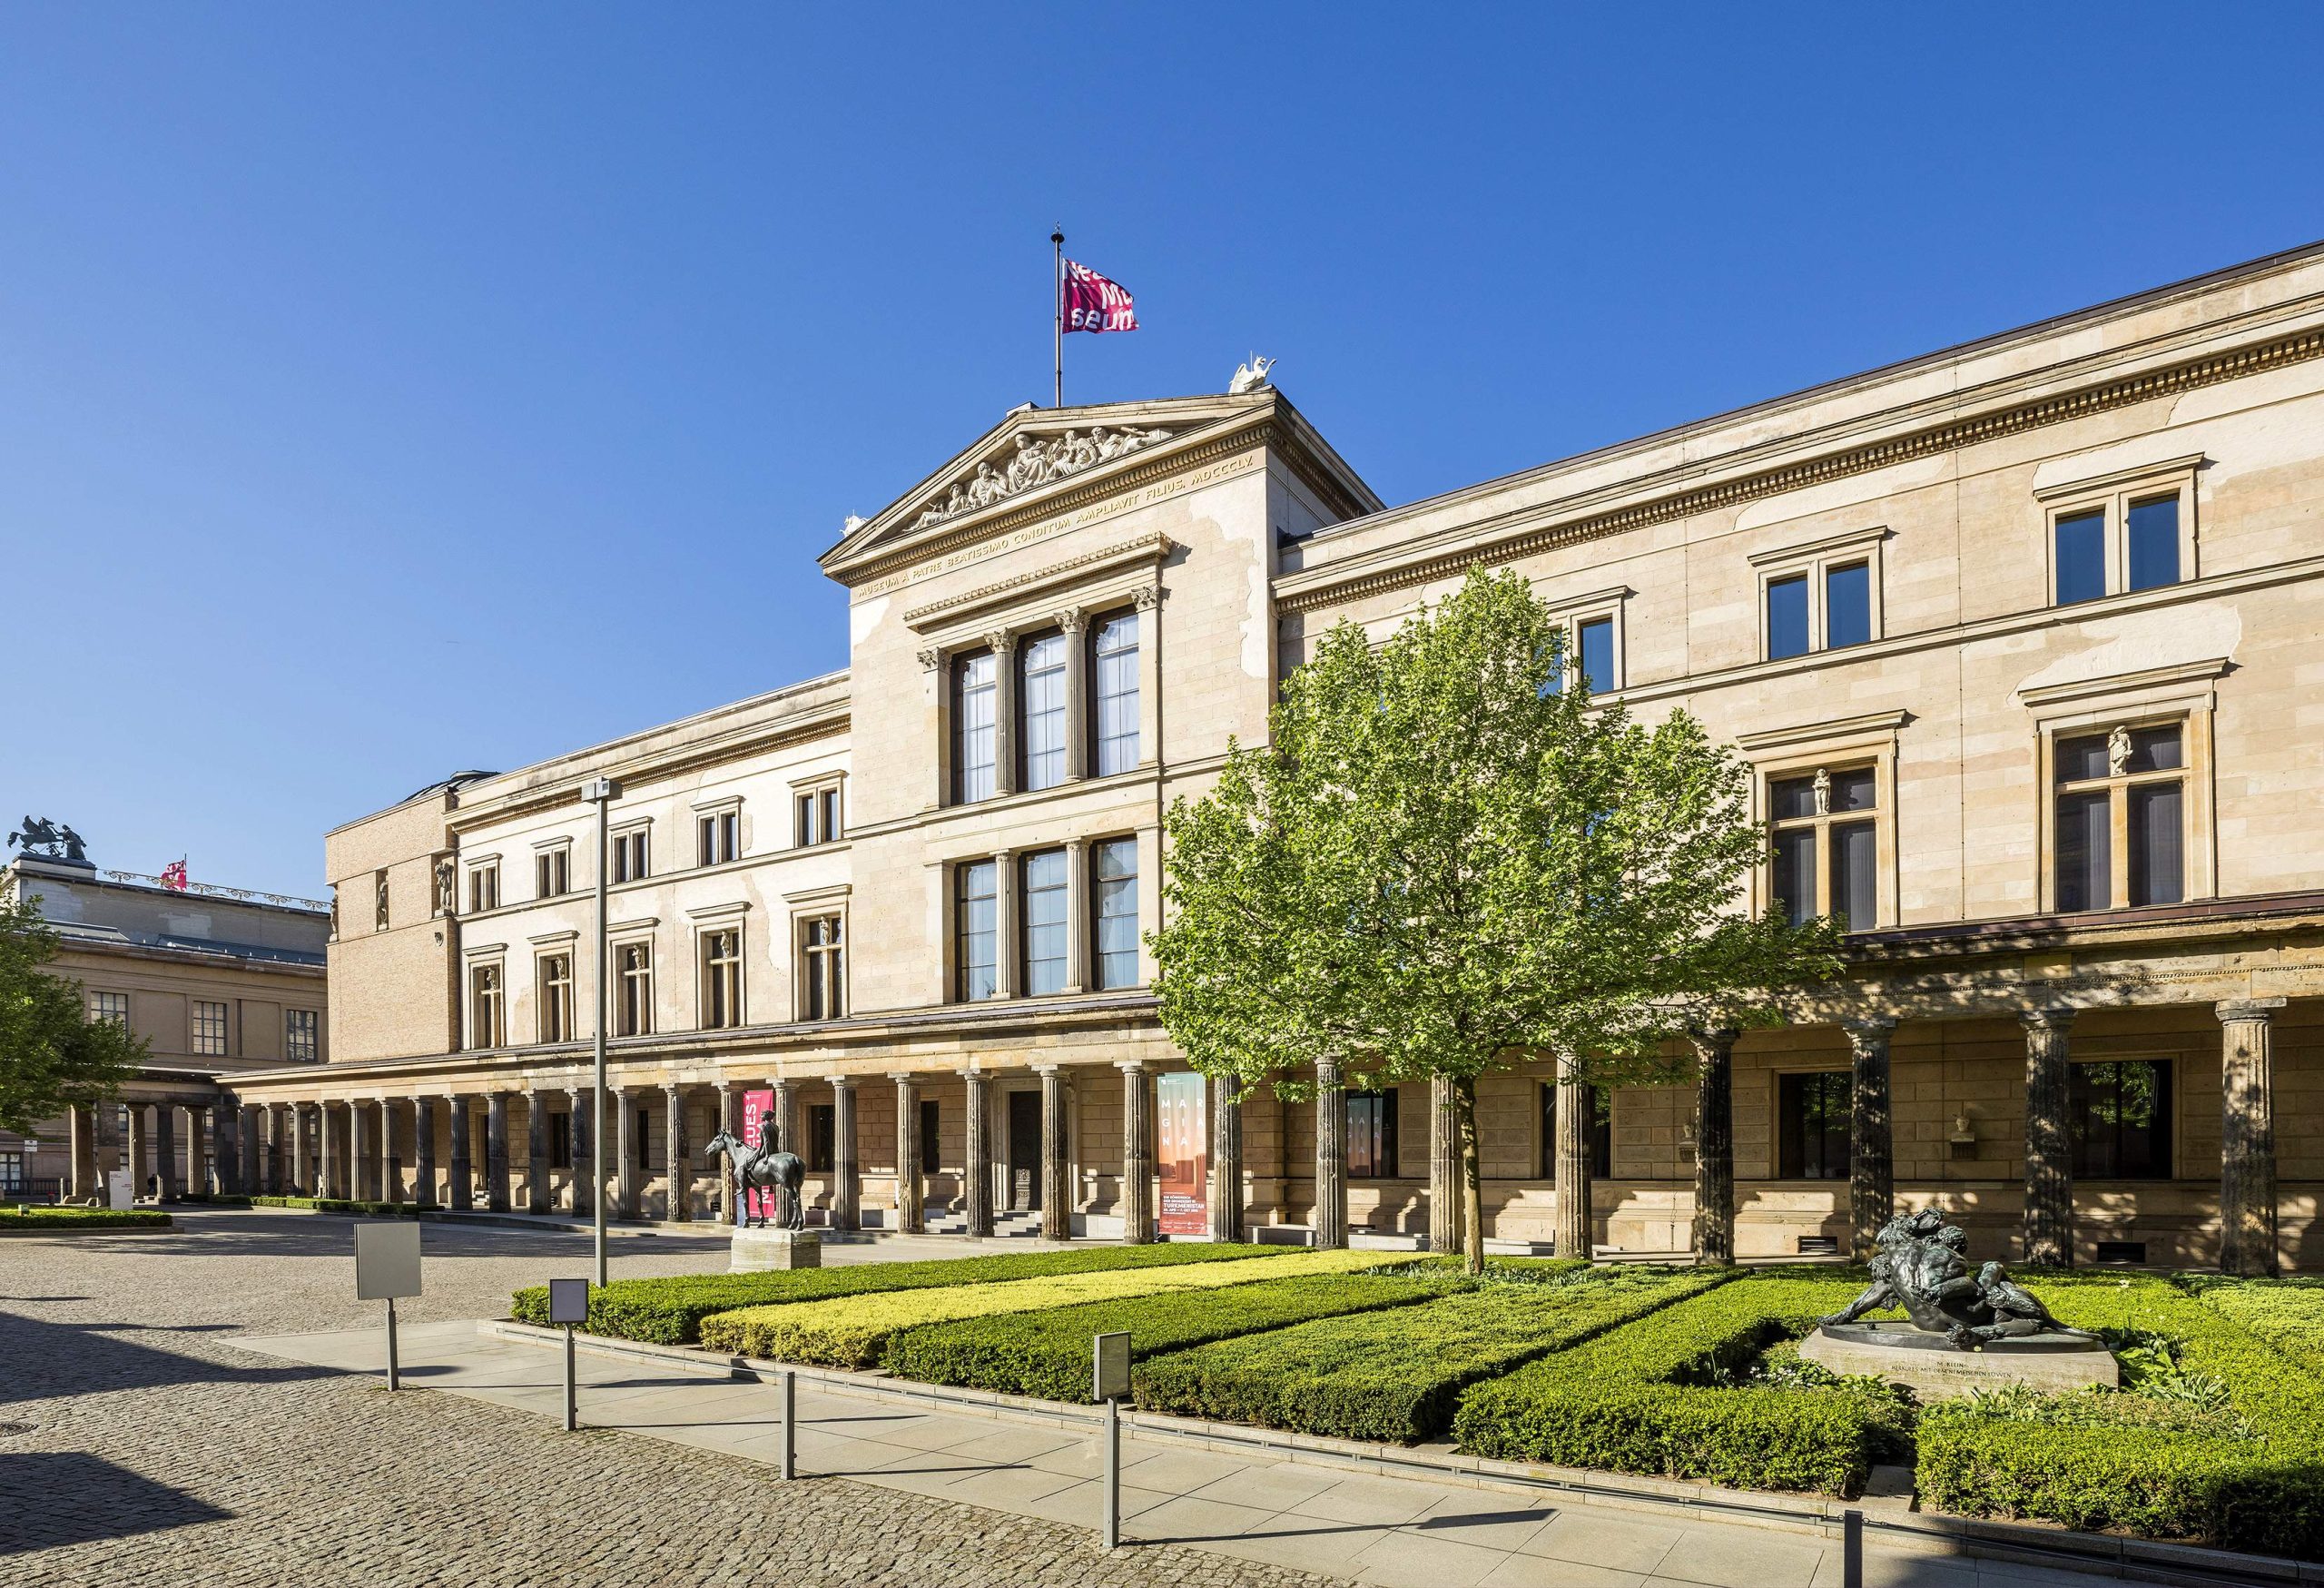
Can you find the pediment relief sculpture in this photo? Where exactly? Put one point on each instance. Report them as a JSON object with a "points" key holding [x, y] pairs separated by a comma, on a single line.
{"points": [[1036, 461]]}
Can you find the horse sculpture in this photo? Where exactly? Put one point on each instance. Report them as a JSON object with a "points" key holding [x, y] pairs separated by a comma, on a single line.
{"points": [[758, 1170]]}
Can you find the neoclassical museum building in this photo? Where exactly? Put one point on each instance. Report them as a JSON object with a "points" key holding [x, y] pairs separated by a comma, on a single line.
{"points": [[2023, 642]]}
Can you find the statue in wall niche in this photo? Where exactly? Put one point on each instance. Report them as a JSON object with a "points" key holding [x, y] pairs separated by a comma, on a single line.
{"points": [[2118, 752], [1822, 787], [446, 887], [1922, 1268]]}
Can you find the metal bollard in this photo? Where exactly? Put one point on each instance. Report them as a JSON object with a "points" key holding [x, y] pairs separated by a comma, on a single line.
{"points": [[1851, 1548]]}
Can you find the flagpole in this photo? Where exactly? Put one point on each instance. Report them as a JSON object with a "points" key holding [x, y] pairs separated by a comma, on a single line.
{"points": [[1057, 304]]}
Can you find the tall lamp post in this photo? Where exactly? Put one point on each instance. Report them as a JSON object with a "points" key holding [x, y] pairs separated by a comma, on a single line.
{"points": [[600, 792]]}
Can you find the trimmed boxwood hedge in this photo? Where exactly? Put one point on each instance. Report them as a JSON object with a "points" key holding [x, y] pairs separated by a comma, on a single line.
{"points": [[2289, 1314], [669, 1312], [71, 1219], [852, 1331], [1394, 1377], [2264, 1494], [1048, 1353], [1645, 1398], [345, 1205]]}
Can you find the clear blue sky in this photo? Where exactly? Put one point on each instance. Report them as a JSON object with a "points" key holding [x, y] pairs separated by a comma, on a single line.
{"points": [[394, 390]]}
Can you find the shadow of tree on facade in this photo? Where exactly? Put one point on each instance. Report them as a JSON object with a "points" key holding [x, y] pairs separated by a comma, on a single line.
{"points": [[48, 1499]]}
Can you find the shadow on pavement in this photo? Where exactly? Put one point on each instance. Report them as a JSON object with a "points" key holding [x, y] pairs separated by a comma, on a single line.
{"points": [[65, 1497], [47, 1360]]}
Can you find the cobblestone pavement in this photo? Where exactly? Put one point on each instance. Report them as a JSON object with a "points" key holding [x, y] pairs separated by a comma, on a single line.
{"points": [[139, 1445]]}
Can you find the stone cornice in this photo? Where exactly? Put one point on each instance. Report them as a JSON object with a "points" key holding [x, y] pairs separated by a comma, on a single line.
{"points": [[1150, 548], [1530, 530]]}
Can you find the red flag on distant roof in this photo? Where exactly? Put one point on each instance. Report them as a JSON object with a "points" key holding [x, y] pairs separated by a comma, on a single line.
{"points": [[1091, 303], [173, 876]]}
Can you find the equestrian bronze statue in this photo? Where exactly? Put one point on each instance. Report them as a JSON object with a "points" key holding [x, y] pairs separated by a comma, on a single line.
{"points": [[756, 1168]]}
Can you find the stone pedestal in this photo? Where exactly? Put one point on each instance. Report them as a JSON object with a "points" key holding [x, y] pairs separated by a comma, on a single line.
{"points": [[1928, 1363], [754, 1252]]}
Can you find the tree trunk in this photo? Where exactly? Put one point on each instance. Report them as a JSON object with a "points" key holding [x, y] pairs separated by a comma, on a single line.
{"points": [[1472, 1223]]}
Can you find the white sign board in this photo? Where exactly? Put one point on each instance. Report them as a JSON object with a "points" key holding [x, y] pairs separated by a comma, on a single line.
{"points": [[1109, 1380], [117, 1192], [569, 1301], [387, 1260]]}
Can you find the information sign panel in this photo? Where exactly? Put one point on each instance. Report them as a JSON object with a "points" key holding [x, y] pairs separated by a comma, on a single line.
{"points": [[387, 1260], [569, 1301], [1109, 1381]]}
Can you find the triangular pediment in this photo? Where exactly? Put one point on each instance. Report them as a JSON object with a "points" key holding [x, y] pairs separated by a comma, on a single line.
{"points": [[1035, 454]]}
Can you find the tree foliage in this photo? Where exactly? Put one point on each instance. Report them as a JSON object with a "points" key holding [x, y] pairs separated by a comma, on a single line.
{"points": [[52, 1056], [1449, 857]]}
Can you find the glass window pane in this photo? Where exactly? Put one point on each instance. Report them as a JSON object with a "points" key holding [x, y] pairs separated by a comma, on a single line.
{"points": [[1043, 697], [1115, 646], [1847, 604], [1597, 648], [1812, 1125], [2082, 758], [1791, 796], [1795, 874], [2154, 542], [2154, 750], [2120, 1117], [979, 929], [973, 727], [1856, 870], [1115, 863], [1855, 790], [1787, 617], [1044, 922], [2081, 557], [2157, 831], [2086, 852]]}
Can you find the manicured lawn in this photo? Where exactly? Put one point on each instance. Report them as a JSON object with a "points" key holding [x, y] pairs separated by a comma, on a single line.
{"points": [[852, 1331]]}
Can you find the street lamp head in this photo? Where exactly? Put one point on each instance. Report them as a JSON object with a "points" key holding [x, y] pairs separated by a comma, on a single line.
{"points": [[598, 790]]}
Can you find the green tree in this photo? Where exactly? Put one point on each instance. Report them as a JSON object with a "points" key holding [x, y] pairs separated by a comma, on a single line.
{"points": [[1448, 857], [52, 1056]]}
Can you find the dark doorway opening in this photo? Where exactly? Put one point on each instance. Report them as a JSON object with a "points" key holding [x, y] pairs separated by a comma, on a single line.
{"points": [[1024, 1152]]}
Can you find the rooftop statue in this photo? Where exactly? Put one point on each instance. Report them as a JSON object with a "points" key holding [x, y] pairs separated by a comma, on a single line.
{"points": [[1921, 1268], [45, 840], [1250, 377]]}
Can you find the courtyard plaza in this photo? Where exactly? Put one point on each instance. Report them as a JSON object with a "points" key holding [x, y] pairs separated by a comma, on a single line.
{"points": [[206, 1407]]}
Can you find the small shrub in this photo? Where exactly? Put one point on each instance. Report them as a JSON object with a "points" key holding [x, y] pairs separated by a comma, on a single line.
{"points": [[1662, 1397], [852, 1331], [669, 1312], [1394, 1377], [1048, 1353]]}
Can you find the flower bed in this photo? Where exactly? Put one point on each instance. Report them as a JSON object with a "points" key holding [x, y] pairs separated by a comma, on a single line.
{"points": [[669, 1312], [1395, 1375], [1647, 1398], [852, 1331], [66, 1219], [1048, 1353], [2258, 1485]]}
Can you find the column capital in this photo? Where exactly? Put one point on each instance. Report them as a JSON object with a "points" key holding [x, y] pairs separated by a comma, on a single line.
{"points": [[842, 1084], [1131, 1066], [1046, 1071], [2049, 1018], [1149, 598], [1718, 1038], [1868, 1033], [931, 659], [1000, 641], [903, 1075], [1327, 1071], [2258, 1008], [1072, 619]]}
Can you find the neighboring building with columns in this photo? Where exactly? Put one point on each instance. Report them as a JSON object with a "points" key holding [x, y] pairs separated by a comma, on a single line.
{"points": [[218, 981], [2019, 640]]}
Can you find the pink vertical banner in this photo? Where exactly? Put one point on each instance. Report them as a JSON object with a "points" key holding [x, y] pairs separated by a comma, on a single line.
{"points": [[1183, 1132], [758, 1127]]}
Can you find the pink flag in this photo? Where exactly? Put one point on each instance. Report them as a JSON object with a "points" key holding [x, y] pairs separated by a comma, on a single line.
{"points": [[1091, 303]]}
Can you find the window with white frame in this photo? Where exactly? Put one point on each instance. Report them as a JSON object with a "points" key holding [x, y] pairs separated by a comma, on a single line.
{"points": [[815, 816], [822, 968], [556, 979], [484, 887], [1041, 662], [1113, 644], [718, 837], [486, 1027], [553, 872], [634, 989], [1046, 916], [2120, 533], [302, 1035], [722, 978], [208, 1028], [975, 695], [1821, 596], [2119, 835], [976, 914], [629, 855], [109, 1006], [1824, 838], [1114, 867]]}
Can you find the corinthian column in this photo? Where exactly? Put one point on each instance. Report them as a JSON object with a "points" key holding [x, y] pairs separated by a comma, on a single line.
{"points": [[2246, 1185], [1872, 1164], [2049, 1160]]}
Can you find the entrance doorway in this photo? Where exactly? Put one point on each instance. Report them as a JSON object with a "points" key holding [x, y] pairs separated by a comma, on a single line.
{"points": [[1024, 1152]]}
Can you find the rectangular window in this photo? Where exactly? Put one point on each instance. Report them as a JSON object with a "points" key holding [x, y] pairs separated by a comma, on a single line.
{"points": [[302, 1035], [931, 1159], [826, 969], [634, 989], [560, 1140], [718, 837], [973, 696], [210, 1029], [2080, 556], [815, 817], [2119, 833], [483, 889], [1823, 861], [977, 917], [1787, 617], [2120, 1114], [2154, 542], [553, 872], [1372, 1135], [1847, 604], [1114, 647], [822, 1137], [109, 1006], [557, 998], [1812, 1115], [1115, 864], [722, 980], [1041, 670], [484, 1027], [827, 815], [1046, 925], [629, 855], [1593, 644], [1601, 1132]]}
